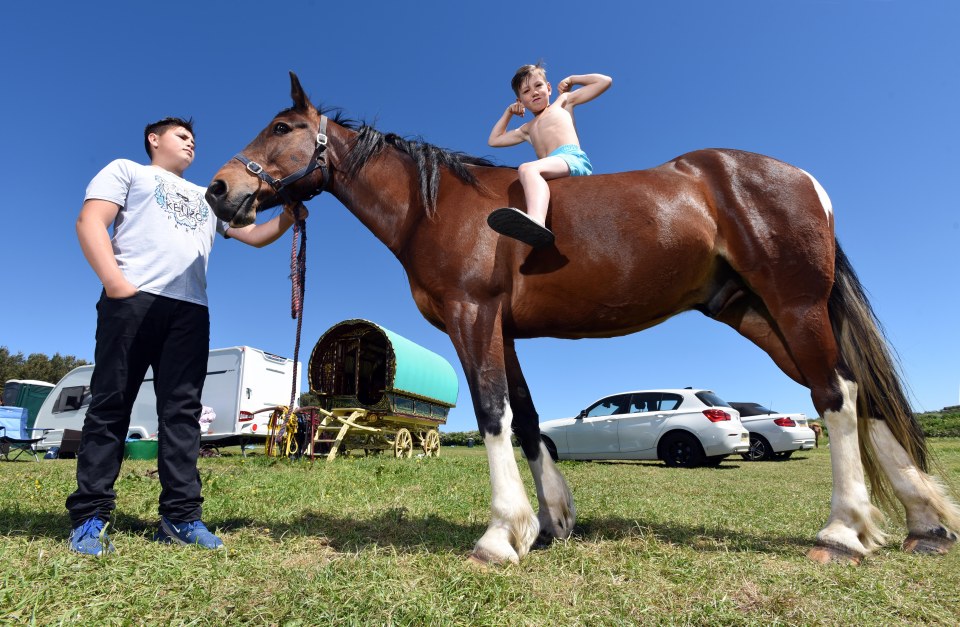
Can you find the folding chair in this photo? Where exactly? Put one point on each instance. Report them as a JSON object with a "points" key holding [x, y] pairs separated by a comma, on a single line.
{"points": [[14, 434]]}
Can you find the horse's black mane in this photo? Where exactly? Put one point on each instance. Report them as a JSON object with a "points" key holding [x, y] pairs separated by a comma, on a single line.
{"points": [[429, 159]]}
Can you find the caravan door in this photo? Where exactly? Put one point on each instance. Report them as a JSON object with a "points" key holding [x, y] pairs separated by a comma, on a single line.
{"points": [[221, 391]]}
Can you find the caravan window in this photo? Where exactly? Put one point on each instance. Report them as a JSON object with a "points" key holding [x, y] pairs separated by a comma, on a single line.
{"points": [[72, 399]]}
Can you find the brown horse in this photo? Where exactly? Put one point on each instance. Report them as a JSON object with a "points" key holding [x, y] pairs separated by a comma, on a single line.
{"points": [[742, 238], [817, 430]]}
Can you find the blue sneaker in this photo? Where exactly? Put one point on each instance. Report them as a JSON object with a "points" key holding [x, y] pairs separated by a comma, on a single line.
{"points": [[194, 532], [90, 538]]}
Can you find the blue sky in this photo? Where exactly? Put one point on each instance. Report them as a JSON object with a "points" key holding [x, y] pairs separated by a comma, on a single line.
{"points": [[861, 93]]}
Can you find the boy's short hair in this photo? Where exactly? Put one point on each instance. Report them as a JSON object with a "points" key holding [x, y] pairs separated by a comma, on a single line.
{"points": [[525, 71], [162, 126]]}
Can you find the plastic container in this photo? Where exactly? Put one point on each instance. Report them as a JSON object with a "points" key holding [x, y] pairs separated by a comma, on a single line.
{"points": [[140, 449]]}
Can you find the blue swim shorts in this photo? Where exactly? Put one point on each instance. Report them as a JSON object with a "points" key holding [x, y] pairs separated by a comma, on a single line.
{"points": [[577, 159]]}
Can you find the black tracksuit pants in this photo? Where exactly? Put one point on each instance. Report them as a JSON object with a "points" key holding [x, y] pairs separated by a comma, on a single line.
{"points": [[173, 337]]}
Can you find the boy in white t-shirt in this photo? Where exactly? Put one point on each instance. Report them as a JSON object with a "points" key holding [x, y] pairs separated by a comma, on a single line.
{"points": [[152, 312]]}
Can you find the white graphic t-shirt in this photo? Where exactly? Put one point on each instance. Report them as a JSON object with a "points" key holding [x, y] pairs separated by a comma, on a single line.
{"points": [[164, 231]]}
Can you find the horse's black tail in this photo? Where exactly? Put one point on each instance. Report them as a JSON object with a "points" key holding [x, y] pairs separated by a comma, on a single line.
{"points": [[866, 358]]}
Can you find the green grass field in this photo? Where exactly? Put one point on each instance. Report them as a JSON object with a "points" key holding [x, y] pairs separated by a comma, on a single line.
{"points": [[384, 541]]}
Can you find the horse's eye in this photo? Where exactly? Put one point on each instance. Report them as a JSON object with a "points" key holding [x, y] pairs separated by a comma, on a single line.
{"points": [[280, 129]]}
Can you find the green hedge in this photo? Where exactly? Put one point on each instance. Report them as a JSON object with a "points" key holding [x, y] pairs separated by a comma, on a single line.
{"points": [[940, 424], [460, 438], [935, 424]]}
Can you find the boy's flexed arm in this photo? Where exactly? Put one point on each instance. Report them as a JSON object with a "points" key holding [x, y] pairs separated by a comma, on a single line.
{"points": [[591, 86], [500, 136]]}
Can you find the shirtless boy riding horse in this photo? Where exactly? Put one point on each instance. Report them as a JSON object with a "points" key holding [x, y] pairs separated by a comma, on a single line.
{"points": [[553, 134]]}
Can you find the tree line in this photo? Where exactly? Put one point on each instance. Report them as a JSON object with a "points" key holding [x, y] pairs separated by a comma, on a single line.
{"points": [[36, 366]]}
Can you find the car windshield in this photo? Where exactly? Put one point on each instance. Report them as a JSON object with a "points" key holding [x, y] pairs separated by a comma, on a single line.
{"points": [[711, 400], [752, 409]]}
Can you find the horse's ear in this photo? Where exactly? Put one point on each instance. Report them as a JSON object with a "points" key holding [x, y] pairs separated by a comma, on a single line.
{"points": [[300, 100]]}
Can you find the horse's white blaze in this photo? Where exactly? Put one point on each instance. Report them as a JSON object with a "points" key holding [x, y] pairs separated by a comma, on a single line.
{"points": [[927, 506], [513, 526], [556, 512], [853, 522], [821, 193]]}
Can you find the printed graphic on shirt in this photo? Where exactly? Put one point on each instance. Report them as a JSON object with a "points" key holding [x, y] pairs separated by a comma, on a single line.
{"points": [[187, 207]]}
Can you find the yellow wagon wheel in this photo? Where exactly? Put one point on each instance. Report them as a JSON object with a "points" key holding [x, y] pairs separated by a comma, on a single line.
{"points": [[403, 445], [431, 443]]}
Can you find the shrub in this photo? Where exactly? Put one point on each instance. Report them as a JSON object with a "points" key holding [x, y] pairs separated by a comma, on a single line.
{"points": [[940, 424], [460, 438]]}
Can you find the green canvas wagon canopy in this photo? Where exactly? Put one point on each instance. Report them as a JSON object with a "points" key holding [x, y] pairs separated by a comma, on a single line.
{"points": [[358, 363]]}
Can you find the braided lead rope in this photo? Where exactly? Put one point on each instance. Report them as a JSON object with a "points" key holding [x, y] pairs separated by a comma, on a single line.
{"points": [[298, 276]]}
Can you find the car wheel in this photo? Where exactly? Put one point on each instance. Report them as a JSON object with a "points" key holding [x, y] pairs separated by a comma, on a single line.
{"points": [[551, 447], [759, 449], [680, 450]]}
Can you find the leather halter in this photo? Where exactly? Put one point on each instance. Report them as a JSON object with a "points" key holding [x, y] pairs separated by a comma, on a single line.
{"points": [[298, 262], [318, 160]]}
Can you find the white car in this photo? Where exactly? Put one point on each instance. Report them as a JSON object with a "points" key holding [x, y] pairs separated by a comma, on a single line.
{"points": [[774, 435], [681, 427]]}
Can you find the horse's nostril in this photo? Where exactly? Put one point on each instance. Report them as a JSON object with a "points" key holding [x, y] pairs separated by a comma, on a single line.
{"points": [[216, 190]]}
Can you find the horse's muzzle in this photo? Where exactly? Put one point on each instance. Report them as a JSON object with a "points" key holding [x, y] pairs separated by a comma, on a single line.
{"points": [[236, 211]]}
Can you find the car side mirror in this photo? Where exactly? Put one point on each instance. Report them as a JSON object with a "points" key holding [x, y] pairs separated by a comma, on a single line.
{"points": [[582, 414]]}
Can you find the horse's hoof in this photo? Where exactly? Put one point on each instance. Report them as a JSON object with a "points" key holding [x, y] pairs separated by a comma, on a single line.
{"points": [[543, 540], [826, 554], [477, 562], [484, 560], [937, 542]]}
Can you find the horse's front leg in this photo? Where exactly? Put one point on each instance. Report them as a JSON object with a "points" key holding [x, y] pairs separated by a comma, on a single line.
{"points": [[556, 512], [478, 337]]}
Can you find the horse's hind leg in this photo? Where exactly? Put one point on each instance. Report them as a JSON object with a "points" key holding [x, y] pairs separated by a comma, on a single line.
{"points": [[477, 335], [930, 514], [556, 510], [801, 343], [853, 529]]}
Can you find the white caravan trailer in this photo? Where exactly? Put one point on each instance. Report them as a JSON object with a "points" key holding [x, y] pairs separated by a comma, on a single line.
{"points": [[240, 381]]}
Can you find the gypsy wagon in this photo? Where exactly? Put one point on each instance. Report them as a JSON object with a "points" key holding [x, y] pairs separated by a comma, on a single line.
{"points": [[378, 391]]}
